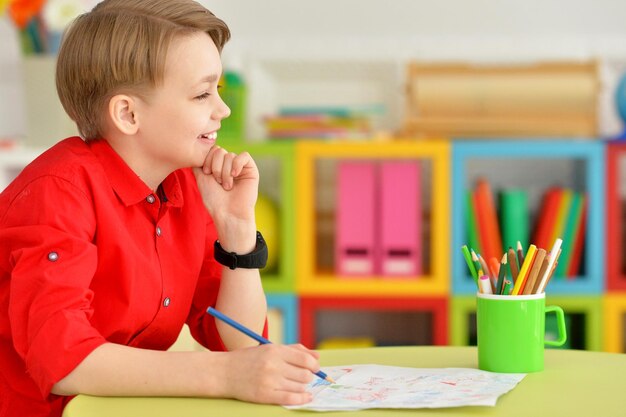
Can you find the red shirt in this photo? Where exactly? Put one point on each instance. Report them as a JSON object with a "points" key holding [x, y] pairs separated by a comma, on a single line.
{"points": [[89, 254]]}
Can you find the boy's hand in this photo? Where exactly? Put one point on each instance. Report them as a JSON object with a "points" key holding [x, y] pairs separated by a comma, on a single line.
{"points": [[229, 186], [271, 374]]}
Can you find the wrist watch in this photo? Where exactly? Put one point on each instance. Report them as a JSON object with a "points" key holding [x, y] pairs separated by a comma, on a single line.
{"points": [[256, 259]]}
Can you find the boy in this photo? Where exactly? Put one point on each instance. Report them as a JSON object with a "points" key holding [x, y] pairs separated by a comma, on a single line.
{"points": [[108, 241]]}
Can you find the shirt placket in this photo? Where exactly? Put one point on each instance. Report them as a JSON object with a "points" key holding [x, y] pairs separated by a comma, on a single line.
{"points": [[158, 211]]}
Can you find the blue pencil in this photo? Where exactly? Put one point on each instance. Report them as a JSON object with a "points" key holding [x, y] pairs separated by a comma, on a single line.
{"points": [[254, 335]]}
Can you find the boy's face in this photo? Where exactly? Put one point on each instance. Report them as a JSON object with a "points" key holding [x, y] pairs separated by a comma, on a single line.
{"points": [[180, 120]]}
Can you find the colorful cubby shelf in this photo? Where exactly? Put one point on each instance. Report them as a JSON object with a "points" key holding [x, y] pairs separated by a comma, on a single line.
{"points": [[534, 166], [305, 293]]}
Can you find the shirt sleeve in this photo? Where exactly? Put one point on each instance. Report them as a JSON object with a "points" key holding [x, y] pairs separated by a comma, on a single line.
{"points": [[202, 325], [47, 231]]}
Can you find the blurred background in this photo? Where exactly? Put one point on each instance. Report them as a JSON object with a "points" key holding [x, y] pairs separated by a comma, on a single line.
{"points": [[346, 53], [518, 103]]}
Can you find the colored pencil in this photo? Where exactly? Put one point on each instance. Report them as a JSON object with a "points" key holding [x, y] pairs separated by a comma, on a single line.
{"points": [[542, 271], [468, 261], [520, 254], [484, 265], [534, 272], [477, 264], [544, 284], [501, 275], [254, 335], [485, 285], [506, 289], [524, 269], [513, 267], [554, 253]]}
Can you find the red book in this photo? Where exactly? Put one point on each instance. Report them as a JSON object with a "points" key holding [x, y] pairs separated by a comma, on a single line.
{"points": [[546, 218], [488, 226], [577, 251]]}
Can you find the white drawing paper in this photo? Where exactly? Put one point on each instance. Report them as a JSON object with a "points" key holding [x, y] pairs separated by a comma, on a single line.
{"points": [[361, 387]]}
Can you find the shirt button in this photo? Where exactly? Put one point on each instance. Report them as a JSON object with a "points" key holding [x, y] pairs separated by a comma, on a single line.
{"points": [[166, 302], [53, 256], [150, 199], [158, 231]]}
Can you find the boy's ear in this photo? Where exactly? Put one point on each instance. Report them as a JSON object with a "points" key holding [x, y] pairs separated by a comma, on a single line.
{"points": [[122, 114]]}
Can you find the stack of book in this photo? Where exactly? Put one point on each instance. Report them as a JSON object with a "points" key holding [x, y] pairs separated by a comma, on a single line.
{"points": [[494, 229], [318, 123]]}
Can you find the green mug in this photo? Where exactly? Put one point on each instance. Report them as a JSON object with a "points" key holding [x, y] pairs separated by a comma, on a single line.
{"points": [[511, 332]]}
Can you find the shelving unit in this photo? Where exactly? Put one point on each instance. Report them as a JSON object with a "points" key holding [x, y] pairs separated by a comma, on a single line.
{"points": [[309, 301], [315, 218], [387, 320], [616, 215], [283, 318], [533, 166]]}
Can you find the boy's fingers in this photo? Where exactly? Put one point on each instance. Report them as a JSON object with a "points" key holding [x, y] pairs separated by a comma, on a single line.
{"points": [[292, 398], [206, 166], [299, 375], [292, 385], [216, 162], [239, 162], [303, 348], [227, 168], [302, 359]]}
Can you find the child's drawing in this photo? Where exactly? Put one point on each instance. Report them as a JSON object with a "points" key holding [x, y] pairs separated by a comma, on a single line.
{"points": [[377, 386]]}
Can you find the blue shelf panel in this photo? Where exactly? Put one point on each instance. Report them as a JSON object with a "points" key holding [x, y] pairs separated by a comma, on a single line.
{"points": [[591, 152], [288, 306]]}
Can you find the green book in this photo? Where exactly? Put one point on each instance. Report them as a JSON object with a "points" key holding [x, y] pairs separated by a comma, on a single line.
{"points": [[569, 234], [470, 220], [514, 218]]}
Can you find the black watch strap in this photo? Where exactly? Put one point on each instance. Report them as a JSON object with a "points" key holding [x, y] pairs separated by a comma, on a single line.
{"points": [[256, 259]]}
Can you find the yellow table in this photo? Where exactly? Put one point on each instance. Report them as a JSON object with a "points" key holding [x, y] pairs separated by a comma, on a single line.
{"points": [[574, 383]]}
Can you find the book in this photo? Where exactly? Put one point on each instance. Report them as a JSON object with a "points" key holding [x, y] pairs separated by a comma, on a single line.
{"points": [[356, 218], [561, 215], [569, 234], [514, 217], [579, 239], [546, 218], [488, 225], [400, 219]]}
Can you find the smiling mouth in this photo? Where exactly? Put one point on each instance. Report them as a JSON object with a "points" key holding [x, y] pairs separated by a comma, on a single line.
{"points": [[208, 136]]}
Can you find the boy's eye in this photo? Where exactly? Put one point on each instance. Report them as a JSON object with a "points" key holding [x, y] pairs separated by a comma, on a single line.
{"points": [[203, 96]]}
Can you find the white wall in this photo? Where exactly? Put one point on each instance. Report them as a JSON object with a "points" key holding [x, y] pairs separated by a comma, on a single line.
{"points": [[494, 29], [275, 41], [12, 107]]}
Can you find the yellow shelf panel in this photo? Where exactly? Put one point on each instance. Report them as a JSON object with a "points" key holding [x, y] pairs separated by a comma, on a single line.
{"points": [[614, 316], [374, 285]]}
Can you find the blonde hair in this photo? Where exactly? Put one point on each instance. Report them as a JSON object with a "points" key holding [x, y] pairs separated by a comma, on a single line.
{"points": [[122, 44]]}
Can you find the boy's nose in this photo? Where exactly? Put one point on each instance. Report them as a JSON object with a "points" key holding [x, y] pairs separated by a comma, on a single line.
{"points": [[222, 111]]}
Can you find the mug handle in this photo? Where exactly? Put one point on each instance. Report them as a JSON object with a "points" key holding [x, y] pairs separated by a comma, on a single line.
{"points": [[560, 323]]}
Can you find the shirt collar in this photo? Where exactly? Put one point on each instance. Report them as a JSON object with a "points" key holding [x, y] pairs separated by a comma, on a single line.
{"points": [[126, 183]]}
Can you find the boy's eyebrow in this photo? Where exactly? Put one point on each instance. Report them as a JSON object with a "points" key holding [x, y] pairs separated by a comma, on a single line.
{"points": [[208, 79]]}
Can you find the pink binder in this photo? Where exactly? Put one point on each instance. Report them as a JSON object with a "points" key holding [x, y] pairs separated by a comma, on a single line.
{"points": [[400, 219], [356, 218]]}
